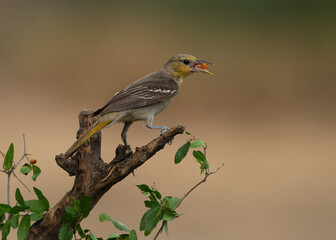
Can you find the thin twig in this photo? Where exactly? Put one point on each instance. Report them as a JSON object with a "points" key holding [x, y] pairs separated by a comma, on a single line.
{"points": [[158, 233], [21, 181], [3, 155], [207, 174], [8, 188], [23, 155]]}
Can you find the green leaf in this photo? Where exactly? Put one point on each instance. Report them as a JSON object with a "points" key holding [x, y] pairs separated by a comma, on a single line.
{"points": [[41, 197], [19, 197], [160, 215], [144, 188], [36, 206], [64, 233], [188, 133], [80, 231], [8, 163], [169, 215], [152, 204], [132, 235], [113, 235], [68, 219], [172, 202], [124, 236], [86, 205], [165, 224], [204, 165], [5, 230], [149, 220], [76, 205], [157, 194], [2, 217], [36, 216], [14, 221], [25, 169], [4, 208], [103, 217], [93, 237], [17, 209], [197, 144], [143, 221], [200, 157], [36, 172], [71, 211], [24, 227], [181, 153]]}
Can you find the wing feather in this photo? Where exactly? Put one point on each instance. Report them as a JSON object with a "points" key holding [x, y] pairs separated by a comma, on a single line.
{"points": [[151, 89]]}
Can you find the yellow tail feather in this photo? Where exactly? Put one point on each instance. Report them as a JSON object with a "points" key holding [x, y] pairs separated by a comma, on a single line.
{"points": [[81, 140]]}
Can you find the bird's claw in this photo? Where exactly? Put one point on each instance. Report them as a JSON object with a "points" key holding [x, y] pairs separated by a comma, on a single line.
{"points": [[164, 130]]}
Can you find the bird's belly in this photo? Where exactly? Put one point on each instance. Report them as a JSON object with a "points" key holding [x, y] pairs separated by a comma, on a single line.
{"points": [[143, 113]]}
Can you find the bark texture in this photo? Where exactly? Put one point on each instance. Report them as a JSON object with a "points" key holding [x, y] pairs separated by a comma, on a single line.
{"points": [[94, 177]]}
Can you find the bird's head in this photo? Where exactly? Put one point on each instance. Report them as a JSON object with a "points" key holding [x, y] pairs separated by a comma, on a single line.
{"points": [[182, 65]]}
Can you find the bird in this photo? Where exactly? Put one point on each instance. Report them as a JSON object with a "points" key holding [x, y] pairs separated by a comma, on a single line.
{"points": [[144, 98]]}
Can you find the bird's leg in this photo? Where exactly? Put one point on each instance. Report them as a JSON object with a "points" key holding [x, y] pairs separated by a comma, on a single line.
{"points": [[149, 124], [124, 133]]}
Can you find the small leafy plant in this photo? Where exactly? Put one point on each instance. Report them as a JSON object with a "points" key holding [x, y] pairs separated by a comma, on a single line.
{"points": [[160, 209], [24, 212]]}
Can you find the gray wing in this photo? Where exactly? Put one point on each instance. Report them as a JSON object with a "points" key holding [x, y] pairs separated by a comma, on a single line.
{"points": [[146, 91]]}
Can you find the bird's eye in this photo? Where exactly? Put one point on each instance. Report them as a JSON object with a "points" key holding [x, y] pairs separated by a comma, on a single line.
{"points": [[186, 61]]}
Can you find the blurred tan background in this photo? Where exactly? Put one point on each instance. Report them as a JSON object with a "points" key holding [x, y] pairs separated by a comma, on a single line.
{"points": [[268, 113]]}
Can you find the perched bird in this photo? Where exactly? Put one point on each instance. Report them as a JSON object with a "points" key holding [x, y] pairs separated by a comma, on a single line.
{"points": [[144, 98]]}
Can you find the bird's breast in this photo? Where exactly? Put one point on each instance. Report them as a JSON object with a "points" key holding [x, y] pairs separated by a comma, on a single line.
{"points": [[142, 113]]}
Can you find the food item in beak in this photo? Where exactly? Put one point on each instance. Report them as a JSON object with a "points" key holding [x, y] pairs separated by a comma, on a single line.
{"points": [[201, 65], [204, 66]]}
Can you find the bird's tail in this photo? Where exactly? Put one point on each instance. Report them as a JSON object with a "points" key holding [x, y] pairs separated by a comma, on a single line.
{"points": [[81, 140]]}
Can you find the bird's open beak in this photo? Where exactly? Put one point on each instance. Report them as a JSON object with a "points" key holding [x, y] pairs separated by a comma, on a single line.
{"points": [[201, 66]]}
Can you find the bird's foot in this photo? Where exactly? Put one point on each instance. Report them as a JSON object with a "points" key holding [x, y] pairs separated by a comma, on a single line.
{"points": [[128, 149], [122, 152], [164, 129], [126, 146]]}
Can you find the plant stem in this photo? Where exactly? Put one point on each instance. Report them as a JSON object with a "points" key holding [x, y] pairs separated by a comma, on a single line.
{"points": [[21, 181], [158, 233], [23, 155], [9, 173], [8, 188]]}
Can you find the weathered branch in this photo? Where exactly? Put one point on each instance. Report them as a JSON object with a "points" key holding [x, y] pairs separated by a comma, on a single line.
{"points": [[94, 177]]}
